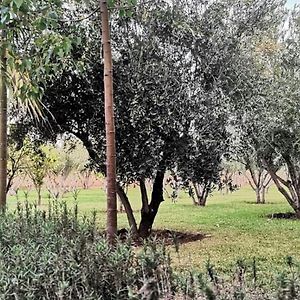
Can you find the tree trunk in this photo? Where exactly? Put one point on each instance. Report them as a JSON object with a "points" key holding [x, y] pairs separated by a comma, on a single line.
{"points": [[280, 182], [3, 123], [203, 198], [145, 201], [192, 194], [38, 189], [202, 201], [147, 218], [121, 207], [197, 192], [297, 213], [109, 126], [258, 195], [201, 193], [263, 195], [128, 209]]}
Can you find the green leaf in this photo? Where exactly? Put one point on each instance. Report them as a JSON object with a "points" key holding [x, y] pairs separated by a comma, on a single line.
{"points": [[18, 3], [41, 24], [61, 53], [133, 2], [67, 45], [111, 3], [122, 12], [129, 13], [5, 18]]}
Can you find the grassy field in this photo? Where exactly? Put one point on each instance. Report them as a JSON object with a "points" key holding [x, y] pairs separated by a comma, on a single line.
{"points": [[235, 227]]}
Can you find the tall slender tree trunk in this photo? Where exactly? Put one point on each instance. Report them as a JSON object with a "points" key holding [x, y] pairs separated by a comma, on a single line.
{"points": [[3, 123], [109, 126], [38, 188]]}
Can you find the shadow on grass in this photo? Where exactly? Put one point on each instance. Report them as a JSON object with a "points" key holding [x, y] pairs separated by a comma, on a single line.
{"points": [[168, 237], [287, 216], [253, 202]]}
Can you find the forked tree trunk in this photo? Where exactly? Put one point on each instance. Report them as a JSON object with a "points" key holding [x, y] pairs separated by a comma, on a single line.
{"points": [[147, 218], [3, 123], [259, 181], [203, 199], [109, 126], [130, 216], [201, 193], [290, 189]]}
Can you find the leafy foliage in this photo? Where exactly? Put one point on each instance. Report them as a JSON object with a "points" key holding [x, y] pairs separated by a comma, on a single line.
{"points": [[35, 51], [177, 78]]}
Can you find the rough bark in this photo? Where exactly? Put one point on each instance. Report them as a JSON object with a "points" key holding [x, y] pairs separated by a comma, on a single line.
{"points": [[263, 195], [3, 123], [259, 181], [130, 216], [144, 195], [201, 193], [203, 199], [284, 187], [147, 218], [109, 126], [258, 195], [192, 193]]}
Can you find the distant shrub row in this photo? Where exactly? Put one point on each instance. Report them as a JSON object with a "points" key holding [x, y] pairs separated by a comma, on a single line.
{"points": [[56, 255]]}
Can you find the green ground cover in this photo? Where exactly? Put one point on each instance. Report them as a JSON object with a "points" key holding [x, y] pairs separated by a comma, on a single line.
{"points": [[235, 227]]}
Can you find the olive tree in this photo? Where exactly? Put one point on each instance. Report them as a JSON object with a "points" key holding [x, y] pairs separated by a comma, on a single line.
{"points": [[175, 71], [281, 134]]}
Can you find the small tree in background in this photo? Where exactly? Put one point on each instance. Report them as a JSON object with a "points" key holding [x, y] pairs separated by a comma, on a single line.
{"points": [[258, 178], [38, 166], [31, 51]]}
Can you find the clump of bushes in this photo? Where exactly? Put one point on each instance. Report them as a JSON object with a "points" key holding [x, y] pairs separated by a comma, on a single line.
{"points": [[57, 255]]}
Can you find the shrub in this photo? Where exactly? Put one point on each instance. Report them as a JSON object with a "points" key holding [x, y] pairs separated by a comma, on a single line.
{"points": [[57, 255]]}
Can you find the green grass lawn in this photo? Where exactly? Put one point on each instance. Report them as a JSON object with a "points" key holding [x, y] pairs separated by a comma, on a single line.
{"points": [[235, 226]]}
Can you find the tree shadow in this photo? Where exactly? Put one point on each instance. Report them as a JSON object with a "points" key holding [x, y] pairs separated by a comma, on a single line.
{"points": [[266, 203], [171, 237], [287, 216], [167, 237]]}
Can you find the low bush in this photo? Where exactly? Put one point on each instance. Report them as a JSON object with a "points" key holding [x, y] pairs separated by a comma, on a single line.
{"points": [[57, 255]]}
